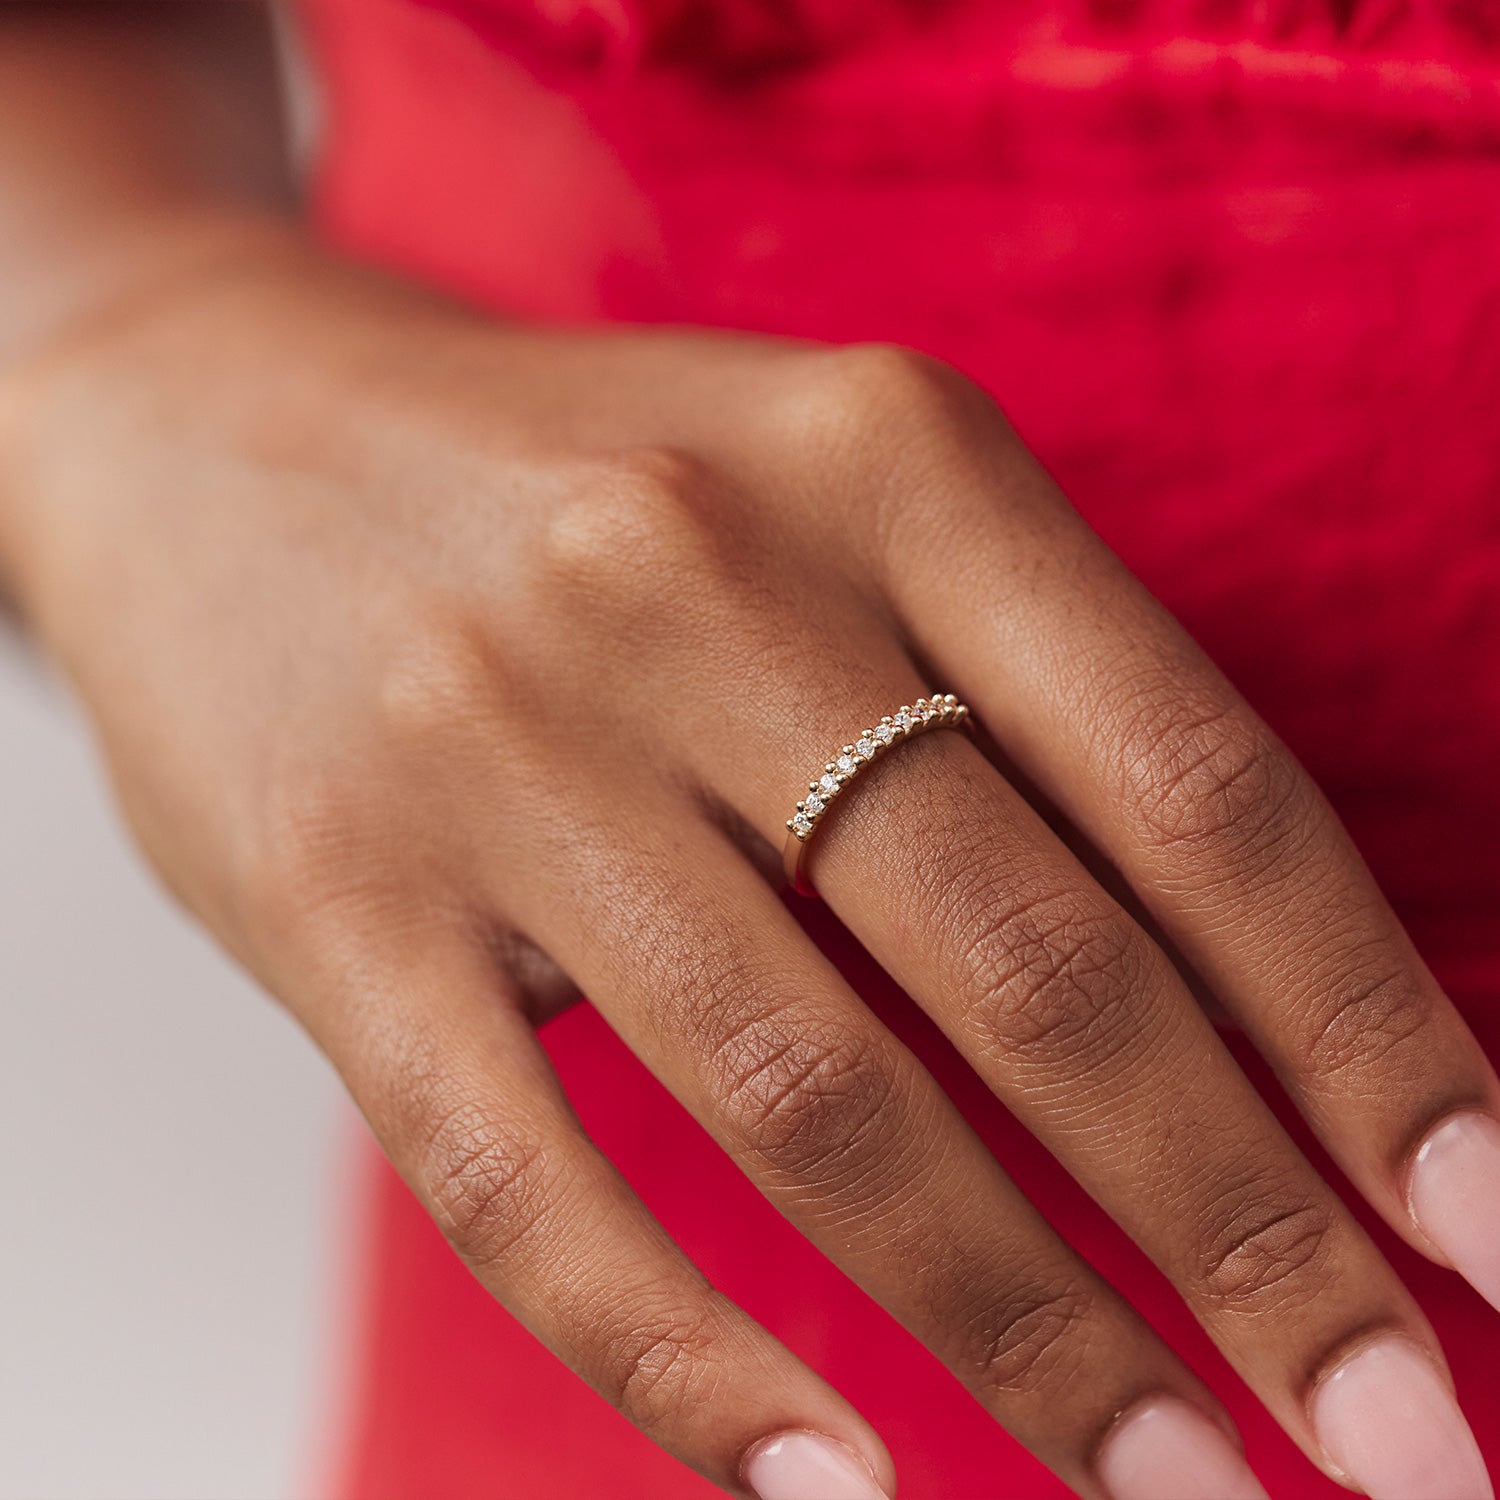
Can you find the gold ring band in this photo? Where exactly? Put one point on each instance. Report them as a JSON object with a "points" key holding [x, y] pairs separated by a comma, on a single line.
{"points": [[942, 711]]}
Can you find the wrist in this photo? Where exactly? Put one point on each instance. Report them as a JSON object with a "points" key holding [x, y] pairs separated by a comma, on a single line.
{"points": [[96, 303]]}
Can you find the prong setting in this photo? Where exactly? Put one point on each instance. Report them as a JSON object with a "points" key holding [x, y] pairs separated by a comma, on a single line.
{"points": [[941, 711]]}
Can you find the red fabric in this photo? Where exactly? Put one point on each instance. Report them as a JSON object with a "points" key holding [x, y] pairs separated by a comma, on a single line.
{"points": [[1233, 269]]}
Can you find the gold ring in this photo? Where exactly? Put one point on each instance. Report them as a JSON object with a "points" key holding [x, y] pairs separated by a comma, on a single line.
{"points": [[942, 711]]}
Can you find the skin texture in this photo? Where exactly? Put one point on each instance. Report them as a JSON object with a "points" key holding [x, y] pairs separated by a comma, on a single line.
{"points": [[447, 669]]}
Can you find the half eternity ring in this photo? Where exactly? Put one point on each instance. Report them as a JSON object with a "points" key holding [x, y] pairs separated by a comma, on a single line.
{"points": [[942, 711]]}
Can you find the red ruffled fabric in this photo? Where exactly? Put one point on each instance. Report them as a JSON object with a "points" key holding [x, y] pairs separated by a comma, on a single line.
{"points": [[746, 34], [1234, 271], [736, 35]]}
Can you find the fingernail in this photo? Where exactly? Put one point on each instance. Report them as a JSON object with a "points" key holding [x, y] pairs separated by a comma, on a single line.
{"points": [[1386, 1419], [805, 1466], [1169, 1450], [1454, 1195]]}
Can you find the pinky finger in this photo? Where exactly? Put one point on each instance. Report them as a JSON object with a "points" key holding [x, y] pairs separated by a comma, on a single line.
{"points": [[462, 1097]]}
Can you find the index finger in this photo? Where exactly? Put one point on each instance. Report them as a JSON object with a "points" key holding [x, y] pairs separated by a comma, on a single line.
{"points": [[1119, 717], [460, 1093]]}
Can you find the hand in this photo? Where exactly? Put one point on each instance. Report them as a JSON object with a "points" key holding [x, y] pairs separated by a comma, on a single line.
{"points": [[436, 661]]}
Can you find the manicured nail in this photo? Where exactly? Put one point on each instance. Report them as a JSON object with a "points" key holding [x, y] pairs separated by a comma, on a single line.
{"points": [[1386, 1419], [1454, 1195], [805, 1466], [1169, 1450]]}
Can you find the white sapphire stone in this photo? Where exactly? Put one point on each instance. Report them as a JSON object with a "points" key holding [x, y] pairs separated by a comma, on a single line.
{"points": [[884, 733], [828, 784], [846, 764], [866, 746], [901, 720], [802, 823], [814, 803]]}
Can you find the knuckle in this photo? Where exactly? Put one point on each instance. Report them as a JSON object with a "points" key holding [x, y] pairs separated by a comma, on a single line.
{"points": [[338, 832], [1266, 1253], [1047, 981], [655, 1369], [806, 1096], [1211, 779], [795, 1085], [875, 398], [1033, 1341], [893, 432], [488, 1188], [445, 674], [635, 519], [1361, 1026], [883, 380], [316, 841]]}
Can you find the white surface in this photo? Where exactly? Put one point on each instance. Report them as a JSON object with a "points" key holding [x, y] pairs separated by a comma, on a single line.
{"points": [[169, 1145]]}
